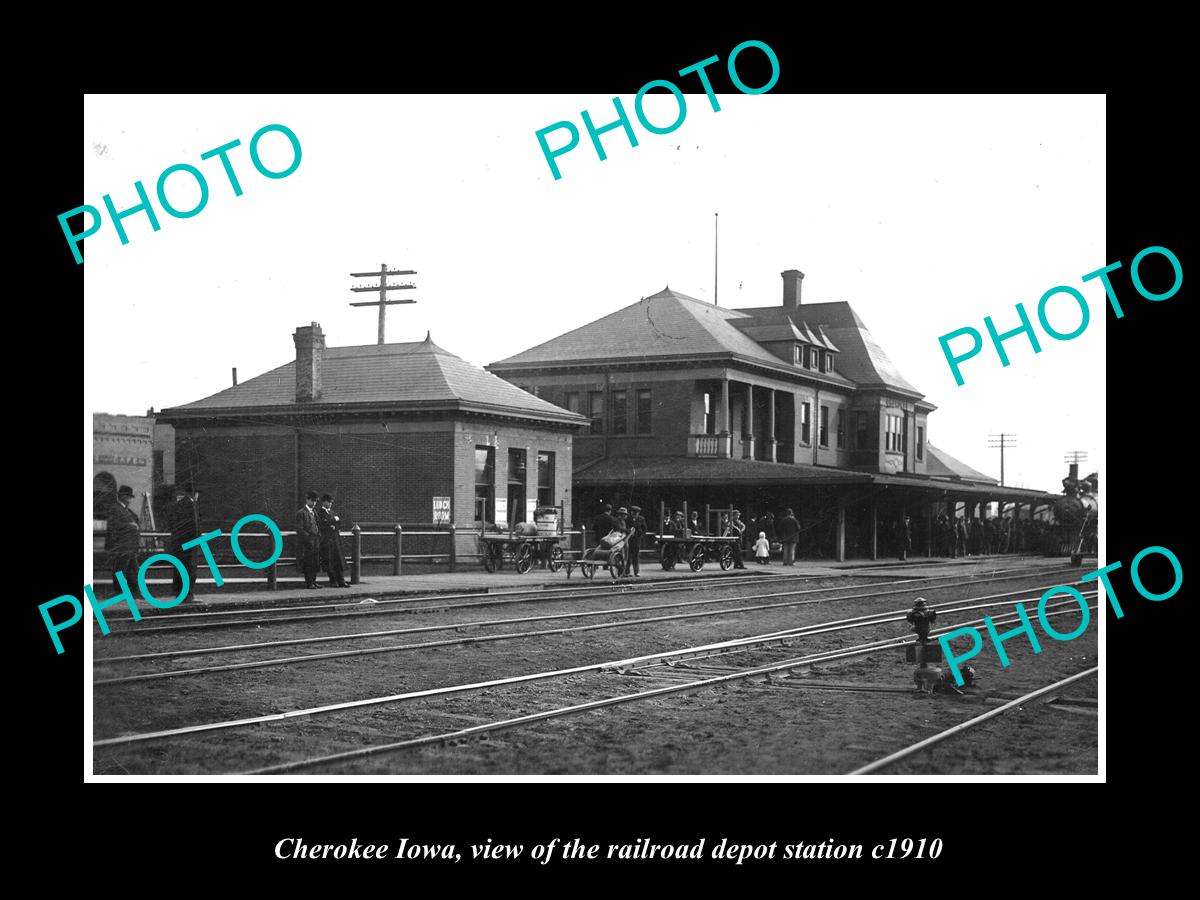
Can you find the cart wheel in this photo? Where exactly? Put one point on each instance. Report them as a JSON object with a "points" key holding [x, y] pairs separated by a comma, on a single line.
{"points": [[616, 564], [726, 557], [489, 556], [666, 555], [556, 556], [587, 569], [524, 558], [697, 560]]}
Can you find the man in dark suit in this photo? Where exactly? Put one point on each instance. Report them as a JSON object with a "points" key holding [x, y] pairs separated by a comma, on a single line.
{"points": [[737, 528], [184, 522], [787, 530], [603, 523], [637, 528], [904, 536], [123, 539], [308, 533], [333, 559]]}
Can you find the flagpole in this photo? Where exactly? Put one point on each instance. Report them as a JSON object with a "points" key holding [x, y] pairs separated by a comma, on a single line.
{"points": [[716, 240]]}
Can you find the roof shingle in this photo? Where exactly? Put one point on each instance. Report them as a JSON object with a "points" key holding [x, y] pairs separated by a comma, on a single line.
{"points": [[380, 374]]}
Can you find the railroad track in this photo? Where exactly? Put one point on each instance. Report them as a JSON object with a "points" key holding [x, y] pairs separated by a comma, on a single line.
{"points": [[780, 669], [935, 739], [709, 612], [215, 619], [627, 666]]}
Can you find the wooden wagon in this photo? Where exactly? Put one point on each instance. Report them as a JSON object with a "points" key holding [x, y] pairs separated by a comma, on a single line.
{"points": [[696, 549]]}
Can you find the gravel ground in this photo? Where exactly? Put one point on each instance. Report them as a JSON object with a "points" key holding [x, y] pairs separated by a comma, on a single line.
{"points": [[741, 728]]}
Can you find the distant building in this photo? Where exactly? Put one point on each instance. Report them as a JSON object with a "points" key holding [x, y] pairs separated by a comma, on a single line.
{"points": [[398, 433], [122, 454], [137, 451], [795, 405]]}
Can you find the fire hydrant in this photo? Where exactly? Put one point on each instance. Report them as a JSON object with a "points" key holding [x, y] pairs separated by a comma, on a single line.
{"points": [[921, 618], [927, 675]]}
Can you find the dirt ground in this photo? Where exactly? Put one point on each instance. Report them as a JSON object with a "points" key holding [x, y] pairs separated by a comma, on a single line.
{"points": [[738, 729]]}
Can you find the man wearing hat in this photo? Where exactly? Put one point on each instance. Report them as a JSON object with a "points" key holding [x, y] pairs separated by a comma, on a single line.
{"points": [[184, 520], [333, 559], [603, 523], [123, 539], [308, 533], [737, 528], [637, 528]]}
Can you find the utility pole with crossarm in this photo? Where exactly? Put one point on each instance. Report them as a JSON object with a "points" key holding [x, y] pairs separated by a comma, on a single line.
{"points": [[383, 287]]}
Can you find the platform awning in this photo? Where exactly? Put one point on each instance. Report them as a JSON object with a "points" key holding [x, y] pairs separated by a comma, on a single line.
{"points": [[673, 470]]}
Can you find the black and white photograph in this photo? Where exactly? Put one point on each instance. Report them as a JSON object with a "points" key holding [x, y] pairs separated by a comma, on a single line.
{"points": [[704, 431]]}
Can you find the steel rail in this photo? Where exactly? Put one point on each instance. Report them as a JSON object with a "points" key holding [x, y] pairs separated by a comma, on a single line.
{"points": [[970, 723], [487, 623], [589, 706], [509, 635], [351, 609], [449, 690]]}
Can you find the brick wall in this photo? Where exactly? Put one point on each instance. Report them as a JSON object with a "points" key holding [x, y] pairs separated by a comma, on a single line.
{"points": [[238, 473], [378, 476]]}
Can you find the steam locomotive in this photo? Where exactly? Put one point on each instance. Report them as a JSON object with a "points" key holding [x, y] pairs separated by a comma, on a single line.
{"points": [[1075, 518]]}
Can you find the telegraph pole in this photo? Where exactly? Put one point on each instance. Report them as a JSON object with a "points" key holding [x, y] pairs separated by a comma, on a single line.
{"points": [[716, 244], [383, 287], [1073, 458], [1002, 441]]}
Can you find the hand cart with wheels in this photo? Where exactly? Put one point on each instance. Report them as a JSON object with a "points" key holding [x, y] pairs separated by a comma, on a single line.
{"points": [[601, 557], [520, 550], [695, 550]]}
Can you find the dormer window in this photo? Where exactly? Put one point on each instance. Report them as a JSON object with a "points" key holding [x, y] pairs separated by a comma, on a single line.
{"points": [[828, 362], [797, 354]]}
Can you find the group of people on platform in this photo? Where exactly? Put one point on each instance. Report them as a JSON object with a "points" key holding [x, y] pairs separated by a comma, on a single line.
{"points": [[954, 537], [123, 536], [320, 535], [771, 533], [629, 524]]}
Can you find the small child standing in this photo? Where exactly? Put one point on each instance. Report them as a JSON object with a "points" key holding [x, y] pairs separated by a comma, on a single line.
{"points": [[762, 549]]}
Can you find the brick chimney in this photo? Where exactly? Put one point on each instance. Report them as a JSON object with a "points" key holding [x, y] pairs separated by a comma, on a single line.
{"points": [[310, 348], [791, 288]]}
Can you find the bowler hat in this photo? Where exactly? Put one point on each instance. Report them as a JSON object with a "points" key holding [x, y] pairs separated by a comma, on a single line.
{"points": [[125, 491], [325, 497], [311, 495]]}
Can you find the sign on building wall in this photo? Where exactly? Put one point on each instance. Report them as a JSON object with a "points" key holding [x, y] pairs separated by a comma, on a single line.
{"points": [[441, 510], [113, 460], [530, 509], [502, 510]]}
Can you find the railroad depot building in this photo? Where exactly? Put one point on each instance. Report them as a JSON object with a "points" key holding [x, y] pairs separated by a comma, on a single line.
{"points": [[795, 405], [398, 433]]}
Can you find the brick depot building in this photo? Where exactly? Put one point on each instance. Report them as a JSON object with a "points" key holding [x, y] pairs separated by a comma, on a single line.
{"points": [[763, 408], [386, 429]]}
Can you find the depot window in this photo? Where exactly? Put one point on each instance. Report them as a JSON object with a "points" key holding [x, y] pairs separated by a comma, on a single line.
{"points": [[620, 412], [596, 411], [545, 478], [643, 412], [485, 484]]}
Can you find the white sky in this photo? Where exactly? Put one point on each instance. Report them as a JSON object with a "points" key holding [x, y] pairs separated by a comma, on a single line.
{"points": [[925, 213]]}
